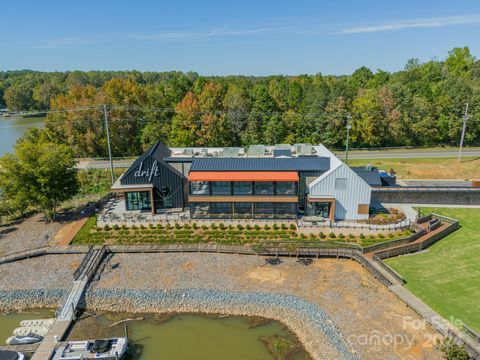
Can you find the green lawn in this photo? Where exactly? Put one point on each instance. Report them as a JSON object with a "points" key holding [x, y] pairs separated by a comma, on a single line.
{"points": [[427, 168], [447, 277]]}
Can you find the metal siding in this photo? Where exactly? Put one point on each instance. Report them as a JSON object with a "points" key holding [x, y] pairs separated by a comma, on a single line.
{"points": [[347, 201], [168, 176], [261, 164]]}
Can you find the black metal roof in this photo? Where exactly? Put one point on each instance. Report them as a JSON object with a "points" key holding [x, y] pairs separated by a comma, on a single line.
{"points": [[178, 159], [261, 164], [281, 152], [369, 174]]}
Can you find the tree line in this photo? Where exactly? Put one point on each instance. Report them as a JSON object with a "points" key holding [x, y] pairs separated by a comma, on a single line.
{"points": [[421, 105]]}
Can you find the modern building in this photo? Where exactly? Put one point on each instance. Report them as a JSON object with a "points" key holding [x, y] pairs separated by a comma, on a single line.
{"points": [[265, 182]]}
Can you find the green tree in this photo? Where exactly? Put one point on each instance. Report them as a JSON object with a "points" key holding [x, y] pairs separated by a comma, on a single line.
{"points": [[459, 61], [19, 97], [40, 175]]}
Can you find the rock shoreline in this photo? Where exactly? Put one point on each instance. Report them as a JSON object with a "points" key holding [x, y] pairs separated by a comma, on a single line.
{"points": [[15, 300], [314, 328]]}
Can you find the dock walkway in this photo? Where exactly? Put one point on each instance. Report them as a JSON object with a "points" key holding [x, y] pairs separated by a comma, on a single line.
{"points": [[66, 313]]}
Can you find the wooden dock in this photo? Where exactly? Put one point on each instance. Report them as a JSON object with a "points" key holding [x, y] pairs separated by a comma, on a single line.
{"points": [[29, 348], [66, 314]]}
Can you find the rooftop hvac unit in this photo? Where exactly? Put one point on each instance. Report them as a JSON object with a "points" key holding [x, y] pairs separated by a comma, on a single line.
{"points": [[188, 151], [231, 152], [256, 151], [303, 149], [282, 147]]}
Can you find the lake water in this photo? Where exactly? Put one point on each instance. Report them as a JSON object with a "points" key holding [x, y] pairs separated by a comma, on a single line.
{"points": [[10, 321], [13, 128], [189, 336]]}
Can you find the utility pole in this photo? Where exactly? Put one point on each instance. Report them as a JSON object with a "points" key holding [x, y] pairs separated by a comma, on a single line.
{"points": [[349, 126], [105, 116], [465, 119]]}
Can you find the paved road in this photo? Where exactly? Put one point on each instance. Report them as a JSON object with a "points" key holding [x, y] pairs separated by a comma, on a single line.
{"points": [[407, 154], [363, 154]]}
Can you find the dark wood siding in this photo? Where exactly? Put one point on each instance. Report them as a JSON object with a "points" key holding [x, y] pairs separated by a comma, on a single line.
{"points": [[167, 176]]}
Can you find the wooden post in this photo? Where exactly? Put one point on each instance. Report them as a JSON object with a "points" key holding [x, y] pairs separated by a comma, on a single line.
{"points": [[152, 203]]}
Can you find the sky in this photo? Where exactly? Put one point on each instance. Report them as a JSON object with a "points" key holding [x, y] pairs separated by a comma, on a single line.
{"points": [[259, 37]]}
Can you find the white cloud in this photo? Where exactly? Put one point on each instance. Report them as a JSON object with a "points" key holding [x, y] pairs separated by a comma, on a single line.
{"points": [[414, 23], [221, 32]]}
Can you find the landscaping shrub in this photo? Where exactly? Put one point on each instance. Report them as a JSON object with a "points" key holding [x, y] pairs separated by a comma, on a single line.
{"points": [[391, 235], [351, 236], [256, 227], [221, 226], [341, 236], [159, 226], [239, 227], [381, 236], [275, 226], [169, 226], [106, 227], [194, 226], [116, 227], [124, 227], [266, 227], [186, 226], [213, 226], [293, 227], [230, 227], [372, 236], [248, 227], [362, 236], [178, 226], [133, 227], [284, 226], [142, 226], [331, 235], [204, 227], [150, 226], [322, 235]]}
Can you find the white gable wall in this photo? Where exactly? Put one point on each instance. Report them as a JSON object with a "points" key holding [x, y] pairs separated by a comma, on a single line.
{"points": [[357, 190]]}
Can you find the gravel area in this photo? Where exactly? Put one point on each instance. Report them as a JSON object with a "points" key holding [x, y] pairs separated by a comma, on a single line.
{"points": [[28, 233], [347, 294], [43, 272], [39, 282]]}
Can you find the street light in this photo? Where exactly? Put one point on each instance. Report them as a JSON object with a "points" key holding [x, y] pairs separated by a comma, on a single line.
{"points": [[349, 126]]}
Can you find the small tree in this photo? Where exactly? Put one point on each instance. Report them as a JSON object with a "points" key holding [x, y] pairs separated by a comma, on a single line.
{"points": [[40, 175], [452, 351]]}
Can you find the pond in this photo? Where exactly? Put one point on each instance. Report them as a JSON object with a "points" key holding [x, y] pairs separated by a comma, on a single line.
{"points": [[13, 128], [188, 336]]}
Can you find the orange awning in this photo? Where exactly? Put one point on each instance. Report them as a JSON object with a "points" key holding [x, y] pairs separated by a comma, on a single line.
{"points": [[243, 176]]}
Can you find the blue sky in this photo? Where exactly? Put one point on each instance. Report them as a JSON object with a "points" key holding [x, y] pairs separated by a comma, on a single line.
{"points": [[233, 37]]}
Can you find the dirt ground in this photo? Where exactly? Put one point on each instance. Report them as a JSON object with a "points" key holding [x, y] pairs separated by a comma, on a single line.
{"points": [[372, 319]]}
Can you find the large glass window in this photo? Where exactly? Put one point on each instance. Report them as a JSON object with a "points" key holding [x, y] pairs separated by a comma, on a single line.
{"points": [[221, 188], [200, 187], [286, 188], [221, 210], [138, 200], [264, 188], [242, 188], [285, 210], [200, 210], [242, 210], [264, 210]]}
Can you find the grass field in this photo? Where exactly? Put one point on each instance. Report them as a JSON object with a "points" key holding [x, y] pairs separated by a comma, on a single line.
{"points": [[447, 277], [427, 168]]}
